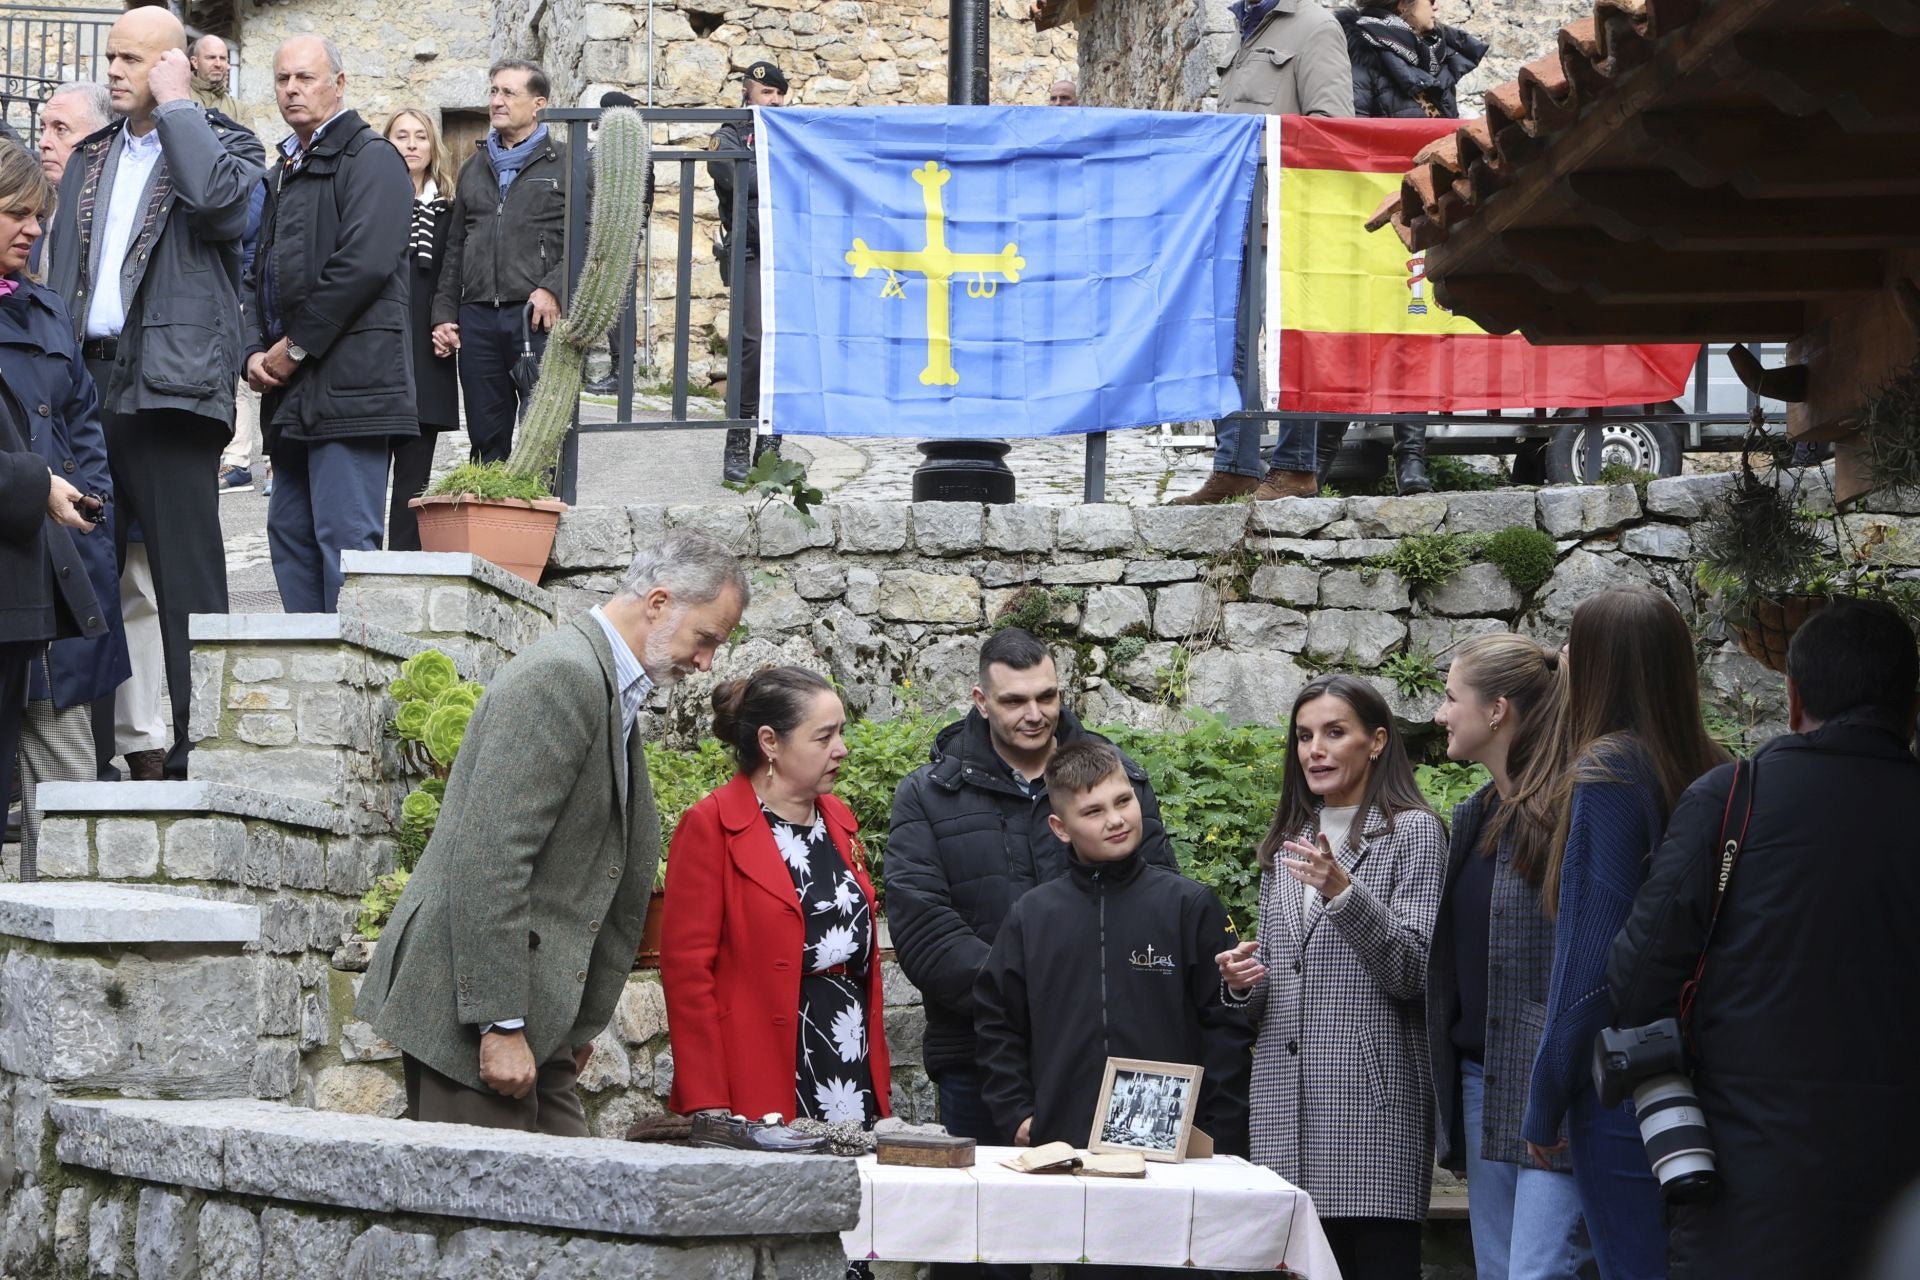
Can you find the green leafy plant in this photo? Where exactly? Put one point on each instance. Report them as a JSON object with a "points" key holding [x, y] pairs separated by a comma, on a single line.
{"points": [[1425, 559], [1446, 785], [780, 482], [1525, 556], [1621, 473], [1453, 475], [1413, 673], [1040, 609], [621, 157], [432, 708], [376, 905], [1126, 649], [1172, 683], [1890, 430]]}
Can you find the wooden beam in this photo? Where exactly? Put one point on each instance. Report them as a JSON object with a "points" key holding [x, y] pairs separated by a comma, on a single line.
{"points": [[1851, 347], [1515, 303], [1766, 156], [1863, 79], [1676, 61], [1637, 205], [1608, 271], [1902, 17]]}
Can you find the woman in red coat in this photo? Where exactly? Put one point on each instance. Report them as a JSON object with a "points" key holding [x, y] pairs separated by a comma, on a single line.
{"points": [[770, 952]]}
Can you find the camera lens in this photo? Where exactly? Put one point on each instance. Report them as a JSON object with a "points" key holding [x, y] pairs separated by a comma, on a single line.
{"points": [[1674, 1129]]}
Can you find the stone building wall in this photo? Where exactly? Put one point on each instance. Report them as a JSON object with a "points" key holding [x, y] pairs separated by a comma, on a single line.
{"points": [[397, 55], [1168, 54]]}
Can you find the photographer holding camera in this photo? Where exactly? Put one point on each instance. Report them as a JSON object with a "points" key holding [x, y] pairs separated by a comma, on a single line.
{"points": [[1783, 903]]}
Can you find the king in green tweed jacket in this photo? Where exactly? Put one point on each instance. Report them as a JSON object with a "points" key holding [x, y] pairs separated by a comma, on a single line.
{"points": [[530, 898]]}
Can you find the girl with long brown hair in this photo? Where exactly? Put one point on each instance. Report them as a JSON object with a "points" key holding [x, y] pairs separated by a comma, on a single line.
{"points": [[1492, 958], [1350, 874], [1634, 737]]}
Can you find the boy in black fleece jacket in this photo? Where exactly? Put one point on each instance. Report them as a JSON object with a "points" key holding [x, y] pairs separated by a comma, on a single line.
{"points": [[1115, 959]]}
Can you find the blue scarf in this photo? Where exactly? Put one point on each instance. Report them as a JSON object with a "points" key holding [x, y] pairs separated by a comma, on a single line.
{"points": [[509, 161], [1251, 15]]}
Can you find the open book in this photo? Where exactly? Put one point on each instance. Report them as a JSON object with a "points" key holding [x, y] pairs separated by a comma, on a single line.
{"points": [[1059, 1157]]}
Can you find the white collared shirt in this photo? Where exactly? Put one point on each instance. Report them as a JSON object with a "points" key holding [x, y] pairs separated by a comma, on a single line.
{"points": [[632, 681], [107, 310]]}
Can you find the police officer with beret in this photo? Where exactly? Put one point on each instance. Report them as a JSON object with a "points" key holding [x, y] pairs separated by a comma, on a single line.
{"points": [[765, 85]]}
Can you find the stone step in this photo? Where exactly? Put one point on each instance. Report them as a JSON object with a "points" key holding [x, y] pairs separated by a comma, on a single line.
{"points": [[298, 861], [458, 603], [88, 913], [296, 705]]}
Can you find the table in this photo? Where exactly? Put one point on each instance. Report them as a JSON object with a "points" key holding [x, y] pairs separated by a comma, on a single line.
{"points": [[1221, 1213]]}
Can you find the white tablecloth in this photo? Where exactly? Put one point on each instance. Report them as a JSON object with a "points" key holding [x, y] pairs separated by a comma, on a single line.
{"points": [[1222, 1213]]}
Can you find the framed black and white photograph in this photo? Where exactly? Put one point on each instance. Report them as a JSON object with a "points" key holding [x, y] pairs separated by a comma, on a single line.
{"points": [[1146, 1107]]}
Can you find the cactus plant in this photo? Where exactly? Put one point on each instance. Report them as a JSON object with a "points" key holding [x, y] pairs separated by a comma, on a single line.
{"points": [[620, 161]]}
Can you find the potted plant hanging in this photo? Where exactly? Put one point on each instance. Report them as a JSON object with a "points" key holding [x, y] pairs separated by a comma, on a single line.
{"points": [[1771, 562], [505, 512]]}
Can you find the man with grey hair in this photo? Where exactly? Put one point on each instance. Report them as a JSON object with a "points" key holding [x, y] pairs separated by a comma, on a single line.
{"points": [[512, 943], [73, 111], [327, 293]]}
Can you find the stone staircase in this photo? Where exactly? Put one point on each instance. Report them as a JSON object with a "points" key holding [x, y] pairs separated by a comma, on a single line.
{"points": [[295, 795]]}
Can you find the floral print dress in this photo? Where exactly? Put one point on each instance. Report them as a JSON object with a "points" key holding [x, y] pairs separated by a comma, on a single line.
{"points": [[833, 1076]]}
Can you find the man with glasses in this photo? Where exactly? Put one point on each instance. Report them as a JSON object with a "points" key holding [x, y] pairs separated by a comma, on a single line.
{"points": [[505, 252]]}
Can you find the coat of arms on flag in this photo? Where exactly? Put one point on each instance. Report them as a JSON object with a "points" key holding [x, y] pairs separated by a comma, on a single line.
{"points": [[960, 272]]}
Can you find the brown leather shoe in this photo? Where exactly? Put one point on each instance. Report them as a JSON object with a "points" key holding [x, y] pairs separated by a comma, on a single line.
{"points": [[147, 766], [1221, 486], [1287, 484]]}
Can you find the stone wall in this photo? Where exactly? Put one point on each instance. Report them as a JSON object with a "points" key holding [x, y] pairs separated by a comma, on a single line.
{"points": [[1154, 610], [1168, 54], [396, 55]]}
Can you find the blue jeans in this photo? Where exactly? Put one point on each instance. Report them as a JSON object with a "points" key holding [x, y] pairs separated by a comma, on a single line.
{"points": [[1236, 448], [1618, 1193], [1526, 1220], [327, 498]]}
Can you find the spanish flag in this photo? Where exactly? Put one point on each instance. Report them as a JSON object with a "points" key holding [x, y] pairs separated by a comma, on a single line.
{"points": [[1353, 328]]}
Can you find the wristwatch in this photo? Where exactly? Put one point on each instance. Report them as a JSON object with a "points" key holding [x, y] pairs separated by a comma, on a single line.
{"points": [[295, 352]]}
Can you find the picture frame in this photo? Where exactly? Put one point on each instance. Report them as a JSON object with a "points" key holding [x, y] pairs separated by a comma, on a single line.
{"points": [[1146, 1108]]}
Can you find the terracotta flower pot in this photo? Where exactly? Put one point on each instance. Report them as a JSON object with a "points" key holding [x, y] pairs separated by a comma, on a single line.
{"points": [[513, 534], [649, 957], [1768, 626]]}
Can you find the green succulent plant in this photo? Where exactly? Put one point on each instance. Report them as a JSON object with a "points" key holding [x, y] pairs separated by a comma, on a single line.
{"points": [[446, 727]]}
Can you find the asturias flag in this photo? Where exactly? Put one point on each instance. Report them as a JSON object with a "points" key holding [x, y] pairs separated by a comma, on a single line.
{"points": [[1351, 324], [952, 272]]}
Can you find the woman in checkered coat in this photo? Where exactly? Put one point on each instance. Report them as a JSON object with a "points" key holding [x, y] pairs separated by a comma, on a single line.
{"points": [[1350, 882]]}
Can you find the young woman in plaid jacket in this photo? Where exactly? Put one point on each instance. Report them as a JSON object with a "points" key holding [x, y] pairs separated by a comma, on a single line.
{"points": [[1351, 872]]}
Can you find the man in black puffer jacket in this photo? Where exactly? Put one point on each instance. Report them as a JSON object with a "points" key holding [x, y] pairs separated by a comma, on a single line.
{"points": [[969, 836], [328, 308], [1806, 1024]]}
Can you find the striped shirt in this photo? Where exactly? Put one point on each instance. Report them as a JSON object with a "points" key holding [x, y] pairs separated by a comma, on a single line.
{"points": [[632, 681]]}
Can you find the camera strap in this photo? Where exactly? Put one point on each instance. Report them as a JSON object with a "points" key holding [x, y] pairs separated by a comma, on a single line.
{"points": [[1739, 806]]}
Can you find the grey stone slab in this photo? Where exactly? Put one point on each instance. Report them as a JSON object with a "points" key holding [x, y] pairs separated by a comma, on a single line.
{"points": [[592, 538], [1396, 517], [1579, 510], [1364, 589], [818, 581], [1112, 612], [649, 525], [381, 1253], [1020, 528], [88, 913], [229, 1242], [910, 596], [1257, 688], [1150, 573], [948, 528], [1437, 637], [303, 1244], [1658, 541], [126, 848], [26, 1235], [730, 525], [1686, 497], [615, 1188], [1353, 637], [1294, 584], [1097, 527], [873, 526], [66, 846], [162, 1239], [161, 798], [447, 564], [70, 1230], [783, 532], [107, 1232], [1201, 531], [1489, 512], [1089, 573], [1184, 610], [1264, 626], [205, 849], [1295, 517], [1474, 592]]}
